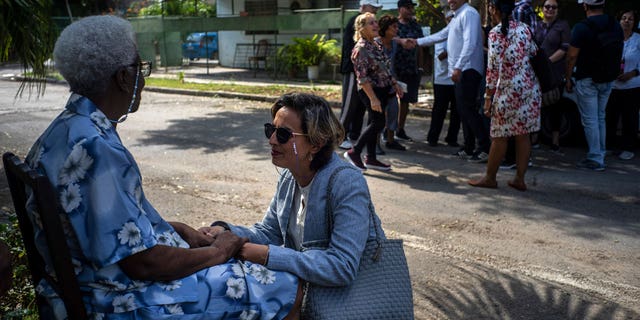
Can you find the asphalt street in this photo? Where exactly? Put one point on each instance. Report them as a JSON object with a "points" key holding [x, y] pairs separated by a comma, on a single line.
{"points": [[568, 248]]}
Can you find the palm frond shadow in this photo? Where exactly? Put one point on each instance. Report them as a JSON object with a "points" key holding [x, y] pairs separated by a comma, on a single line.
{"points": [[484, 293]]}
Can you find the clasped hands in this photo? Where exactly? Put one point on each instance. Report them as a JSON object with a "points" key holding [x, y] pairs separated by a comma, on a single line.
{"points": [[245, 250]]}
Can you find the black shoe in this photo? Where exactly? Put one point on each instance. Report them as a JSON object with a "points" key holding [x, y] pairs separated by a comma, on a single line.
{"points": [[432, 143], [395, 146], [400, 134]]}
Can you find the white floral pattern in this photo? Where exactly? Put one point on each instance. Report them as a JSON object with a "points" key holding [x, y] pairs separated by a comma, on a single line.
{"points": [[124, 303], [174, 309], [249, 315], [75, 166], [101, 120], [70, 198], [262, 274], [236, 288], [170, 286], [239, 269], [130, 234]]}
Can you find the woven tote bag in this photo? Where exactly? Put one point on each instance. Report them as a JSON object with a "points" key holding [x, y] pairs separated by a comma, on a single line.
{"points": [[381, 290]]}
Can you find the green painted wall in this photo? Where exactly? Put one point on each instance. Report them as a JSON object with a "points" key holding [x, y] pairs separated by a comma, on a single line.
{"points": [[163, 35]]}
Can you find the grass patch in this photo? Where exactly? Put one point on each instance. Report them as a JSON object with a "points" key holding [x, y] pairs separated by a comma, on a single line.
{"points": [[268, 90]]}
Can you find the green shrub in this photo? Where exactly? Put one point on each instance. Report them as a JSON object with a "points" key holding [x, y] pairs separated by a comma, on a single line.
{"points": [[19, 303], [310, 51]]}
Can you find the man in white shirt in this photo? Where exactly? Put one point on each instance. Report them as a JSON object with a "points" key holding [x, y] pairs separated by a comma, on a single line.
{"points": [[466, 67], [443, 96]]}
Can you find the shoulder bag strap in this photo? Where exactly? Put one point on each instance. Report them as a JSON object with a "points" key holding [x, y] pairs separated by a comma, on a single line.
{"points": [[329, 211]]}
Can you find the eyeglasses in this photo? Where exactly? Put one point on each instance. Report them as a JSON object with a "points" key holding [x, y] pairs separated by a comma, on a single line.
{"points": [[282, 134], [550, 7], [144, 67]]}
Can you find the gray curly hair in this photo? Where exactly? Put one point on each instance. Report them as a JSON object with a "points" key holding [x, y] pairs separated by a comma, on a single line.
{"points": [[89, 51]]}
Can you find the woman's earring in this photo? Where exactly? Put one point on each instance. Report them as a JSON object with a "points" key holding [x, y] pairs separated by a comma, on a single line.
{"points": [[310, 156]]}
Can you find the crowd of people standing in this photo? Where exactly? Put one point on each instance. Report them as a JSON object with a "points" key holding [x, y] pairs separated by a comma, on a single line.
{"points": [[483, 73]]}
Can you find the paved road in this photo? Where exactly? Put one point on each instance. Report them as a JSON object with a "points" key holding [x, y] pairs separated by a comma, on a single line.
{"points": [[566, 249]]}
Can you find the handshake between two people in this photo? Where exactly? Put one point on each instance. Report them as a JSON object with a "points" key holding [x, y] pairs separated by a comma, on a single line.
{"points": [[407, 43]]}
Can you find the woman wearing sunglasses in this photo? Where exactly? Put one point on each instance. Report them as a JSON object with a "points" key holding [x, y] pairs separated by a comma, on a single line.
{"points": [[293, 234], [552, 36]]}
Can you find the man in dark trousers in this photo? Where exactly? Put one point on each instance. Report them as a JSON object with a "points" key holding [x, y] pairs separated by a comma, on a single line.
{"points": [[352, 109], [406, 62]]}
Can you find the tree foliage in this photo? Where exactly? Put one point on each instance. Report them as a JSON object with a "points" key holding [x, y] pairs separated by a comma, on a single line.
{"points": [[171, 8], [28, 35], [429, 13]]}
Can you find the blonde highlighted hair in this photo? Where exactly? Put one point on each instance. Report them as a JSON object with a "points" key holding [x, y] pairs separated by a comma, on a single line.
{"points": [[361, 22]]}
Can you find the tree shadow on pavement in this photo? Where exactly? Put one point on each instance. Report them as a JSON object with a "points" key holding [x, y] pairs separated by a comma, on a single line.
{"points": [[478, 292], [214, 132]]}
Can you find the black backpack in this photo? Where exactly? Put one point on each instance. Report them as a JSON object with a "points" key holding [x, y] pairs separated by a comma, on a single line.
{"points": [[607, 51]]}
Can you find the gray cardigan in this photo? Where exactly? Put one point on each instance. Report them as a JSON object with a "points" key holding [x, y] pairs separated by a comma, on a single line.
{"points": [[327, 260]]}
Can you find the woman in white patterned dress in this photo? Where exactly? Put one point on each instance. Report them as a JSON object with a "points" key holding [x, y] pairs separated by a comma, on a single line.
{"points": [[512, 96]]}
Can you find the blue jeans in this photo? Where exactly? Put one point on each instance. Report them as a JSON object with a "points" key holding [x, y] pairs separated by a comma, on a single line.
{"points": [[592, 103]]}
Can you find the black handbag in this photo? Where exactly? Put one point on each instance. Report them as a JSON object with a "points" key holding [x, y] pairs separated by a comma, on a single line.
{"points": [[549, 81], [381, 290]]}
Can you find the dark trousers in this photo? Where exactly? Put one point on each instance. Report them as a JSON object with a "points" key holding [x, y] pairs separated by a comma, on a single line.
{"points": [[375, 122], [352, 115], [444, 98], [554, 113], [623, 104], [467, 90]]}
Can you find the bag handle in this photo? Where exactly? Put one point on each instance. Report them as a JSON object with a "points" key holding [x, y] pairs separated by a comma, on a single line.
{"points": [[329, 212]]}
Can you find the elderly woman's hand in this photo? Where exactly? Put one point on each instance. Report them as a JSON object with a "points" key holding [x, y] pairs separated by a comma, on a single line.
{"points": [[211, 231], [228, 243], [193, 237]]}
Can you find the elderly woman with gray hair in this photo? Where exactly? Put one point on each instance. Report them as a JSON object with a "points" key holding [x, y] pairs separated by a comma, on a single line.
{"points": [[130, 262]]}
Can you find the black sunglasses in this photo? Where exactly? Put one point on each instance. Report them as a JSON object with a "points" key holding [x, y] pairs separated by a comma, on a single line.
{"points": [[282, 134], [550, 7]]}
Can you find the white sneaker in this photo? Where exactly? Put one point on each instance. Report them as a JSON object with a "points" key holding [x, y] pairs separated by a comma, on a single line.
{"points": [[346, 144], [626, 155], [481, 157]]}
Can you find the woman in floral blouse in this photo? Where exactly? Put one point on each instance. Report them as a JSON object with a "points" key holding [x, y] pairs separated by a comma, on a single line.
{"points": [[131, 263], [373, 71], [512, 96]]}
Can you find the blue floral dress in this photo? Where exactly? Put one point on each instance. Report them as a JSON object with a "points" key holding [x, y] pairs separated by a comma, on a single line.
{"points": [[107, 218]]}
